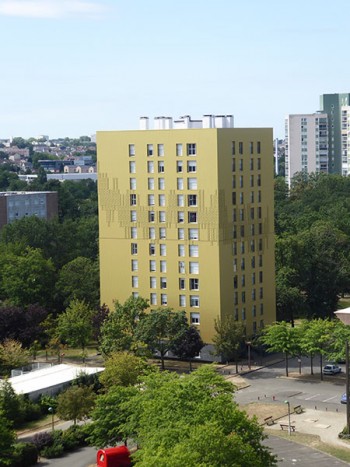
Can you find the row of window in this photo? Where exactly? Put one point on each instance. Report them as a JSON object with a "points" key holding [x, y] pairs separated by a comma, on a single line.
{"points": [[252, 212], [193, 266], [191, 149], [243, 281], [194, 301], [254, 312], [241, 164], [191, 166], [243, 296], [239, 148], [238, 182], [192, 217], [180, 185], [253, 261], [191, 233], [253, 245]]}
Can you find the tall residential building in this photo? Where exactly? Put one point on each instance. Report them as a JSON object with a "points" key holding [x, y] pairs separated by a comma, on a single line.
{"points": [[332, 104], [306, 143], [186, 220]]}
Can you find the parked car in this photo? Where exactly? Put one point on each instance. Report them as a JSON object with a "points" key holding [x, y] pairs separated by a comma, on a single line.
{"points": [[331, 369], [343, 398]]}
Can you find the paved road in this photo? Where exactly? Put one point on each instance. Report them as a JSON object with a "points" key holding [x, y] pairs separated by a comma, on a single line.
{"points": [[81, 458]]}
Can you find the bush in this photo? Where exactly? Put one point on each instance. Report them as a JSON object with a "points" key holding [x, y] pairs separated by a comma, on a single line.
{"points": [[73, 438], [56, 450], [30, 411], [42, 440], [24, 455]]}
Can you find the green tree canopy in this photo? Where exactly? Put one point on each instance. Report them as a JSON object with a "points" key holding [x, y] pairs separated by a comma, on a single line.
{"points": [[76, 403], [187, 345], [228, 339]]}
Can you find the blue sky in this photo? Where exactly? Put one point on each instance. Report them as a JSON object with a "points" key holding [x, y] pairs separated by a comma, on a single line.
{"points": [[72, 67]]}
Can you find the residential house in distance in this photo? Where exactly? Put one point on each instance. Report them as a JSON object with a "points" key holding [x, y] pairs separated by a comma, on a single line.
{"points": [[186, 220], [15, 205]]}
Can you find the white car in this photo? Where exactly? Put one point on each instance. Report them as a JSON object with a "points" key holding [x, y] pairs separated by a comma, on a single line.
{"points": [[331, 369]]}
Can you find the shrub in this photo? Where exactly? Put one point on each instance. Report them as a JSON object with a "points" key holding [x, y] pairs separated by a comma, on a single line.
{"points": [[56, 450], [42, 440], [30, 410], [24, 455], [73, 437]]}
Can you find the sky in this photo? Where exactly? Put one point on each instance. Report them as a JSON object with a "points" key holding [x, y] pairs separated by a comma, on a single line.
{"points": [[73, 67]]}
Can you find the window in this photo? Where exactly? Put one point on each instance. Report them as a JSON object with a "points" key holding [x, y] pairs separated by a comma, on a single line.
{"points": [[134, 265], [240, 147], [253, 262], [261, 308], [260, 277], [192, 183], [253, 278], [149, 149], [191, 149], [235, 282], [192, 217], [258, 149], [162, 266], [251, 163], [242, 264], [182, 284], [243, 314], [243, 297], [152, 249], [152, 233], [161, 183], [135, 281], [251, 147], [163, 299], [135, 295], [193, 251], [134, 248], [261, 293], [153, 298], [182, 300], [259, 212], [192, 200], [234, 198], [243, 280], [132, 167], [193, 234], [260, 261], [241, 198], [241, 165], [133, 232], [254, 311], [259, 180], [133, 216], [260, 228], [180, 183], [252, 213], [179, 166], [162, 216], [160, 150], [161, 200], [151, 183], [235, 298], [150, 200], [241, 214], [162, 233], [161, 166], [132, 200], [233, 165], [131, 150], [233, 148], [194, 301], [194, 267], [259, 196], [163, 283], [191, 166], [182, 268], [252, 196], [181, 250], [242, 235], [151, 216], [260, 244], [241, 181], [179, 149], [181, 234], [162, 249], [180, 217], [252, 180], [180, 200], [150, 167], [152, 265], [253, 294], [194, 284], [132, 183], [195, 318]]}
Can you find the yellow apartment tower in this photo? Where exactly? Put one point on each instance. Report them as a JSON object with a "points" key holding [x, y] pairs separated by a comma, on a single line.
{"points": [[186, 219]]}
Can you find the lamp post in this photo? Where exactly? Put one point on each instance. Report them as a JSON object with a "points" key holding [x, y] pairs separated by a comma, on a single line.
{"points": [[289, 426], [249, 361], [52, 412], [344, 316]]}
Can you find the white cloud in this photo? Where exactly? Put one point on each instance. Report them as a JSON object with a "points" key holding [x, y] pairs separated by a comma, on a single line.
{"points": [[51, 8]]}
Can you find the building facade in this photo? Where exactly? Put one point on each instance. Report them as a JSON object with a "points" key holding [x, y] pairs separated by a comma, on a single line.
{"points": [[186, 220], [306, 144], [17, 204], [332, 105]]}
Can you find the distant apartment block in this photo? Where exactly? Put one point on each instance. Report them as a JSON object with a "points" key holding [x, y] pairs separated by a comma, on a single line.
{"points": [[15, 205], [186, 220], [306, 144]]}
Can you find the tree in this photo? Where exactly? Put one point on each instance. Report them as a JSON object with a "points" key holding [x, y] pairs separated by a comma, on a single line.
{"points": [[9, 402], [228, 338], [75, 325], [7, 439], [118, 331], [281, 337], [123, 369], [192, 420], [160, 329], [75, 403], [79, 279], [12, 355], [188, 344]]}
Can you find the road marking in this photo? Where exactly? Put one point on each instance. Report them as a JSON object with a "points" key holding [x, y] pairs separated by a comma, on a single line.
{"points": [[326, 400], [311, 397]]}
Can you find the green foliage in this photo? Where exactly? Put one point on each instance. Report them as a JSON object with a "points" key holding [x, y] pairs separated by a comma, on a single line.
{"points": [[24, 455], [123, 369], [50, 452], [188, 344], [119, 328], [75, 403], [12, 355], [229, 337], [160, 329], [7, 438]]}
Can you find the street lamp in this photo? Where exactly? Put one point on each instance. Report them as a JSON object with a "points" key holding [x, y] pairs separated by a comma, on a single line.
{"points": [[289, 426], [344, 316], [249, 363], [52, 412]]}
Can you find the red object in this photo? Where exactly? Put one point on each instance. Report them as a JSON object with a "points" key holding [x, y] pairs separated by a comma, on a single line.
{"points": [[114, 457]]}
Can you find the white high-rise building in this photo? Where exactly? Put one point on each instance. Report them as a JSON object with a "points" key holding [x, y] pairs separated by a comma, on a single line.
{"points": [[306, 144]]}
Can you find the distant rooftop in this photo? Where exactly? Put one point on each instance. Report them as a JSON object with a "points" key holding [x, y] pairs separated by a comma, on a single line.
{"points": [[185, 122]]}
